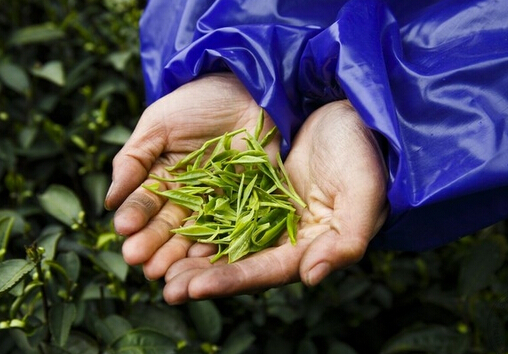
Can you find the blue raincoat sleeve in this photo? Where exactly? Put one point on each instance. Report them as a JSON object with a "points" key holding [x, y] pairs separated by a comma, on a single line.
{"points": [[429, 77]]}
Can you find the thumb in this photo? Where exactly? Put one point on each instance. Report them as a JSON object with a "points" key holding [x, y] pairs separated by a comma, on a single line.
{"points": [[345, 240], [133, 162], [328, 252]]}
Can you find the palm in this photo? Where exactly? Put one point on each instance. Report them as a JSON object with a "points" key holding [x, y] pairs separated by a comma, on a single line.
{"points": [[168, 130], [337, 170], [339, 174]]}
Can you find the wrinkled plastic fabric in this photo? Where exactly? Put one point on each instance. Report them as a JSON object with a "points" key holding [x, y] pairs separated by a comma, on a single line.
{"points": [[429, 77]]}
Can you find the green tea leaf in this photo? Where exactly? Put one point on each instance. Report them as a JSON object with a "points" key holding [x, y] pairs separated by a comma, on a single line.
{"points": [[240, 201], [248, 160], [260, 124], [192, 202], [268, 137], [240, 244], [199, 231], [270, 235], [247, 193], [291, 225], [189, 177]]}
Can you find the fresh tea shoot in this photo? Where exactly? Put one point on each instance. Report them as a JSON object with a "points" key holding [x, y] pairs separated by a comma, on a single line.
{"points": [[241, 202]]}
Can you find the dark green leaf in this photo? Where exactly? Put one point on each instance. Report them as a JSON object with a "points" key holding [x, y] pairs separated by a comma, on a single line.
{"points": [[96, 185], [28, 344], [112, 262], [430, 339], [61, 317], [207, 319], [340, 348], [111, 328], [12, 271], [27, 136], [53, 71], [477, 269], [119, 60], [160, 318], [36, 34], [116, 135], [238, 342], [61, 203], [353, 287], [14, 77], [492, 326], [108, 88], [49, 240], [19, 225], [144, 341], [6, 224], [71, 263], [79, 343], [306, 346]]}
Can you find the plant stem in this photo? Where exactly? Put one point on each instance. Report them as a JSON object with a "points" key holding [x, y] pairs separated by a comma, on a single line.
{"points": [[45, 304]]}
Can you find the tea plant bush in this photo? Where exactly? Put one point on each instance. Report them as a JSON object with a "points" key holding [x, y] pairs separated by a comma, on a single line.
{"points": [[70, 94]]}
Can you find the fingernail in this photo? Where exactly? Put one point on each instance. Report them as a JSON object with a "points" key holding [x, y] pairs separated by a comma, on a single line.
{"points": [[107, 196], [317, 273]]}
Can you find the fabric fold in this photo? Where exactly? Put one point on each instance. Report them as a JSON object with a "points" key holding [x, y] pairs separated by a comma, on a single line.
{"points": [[429, 77]]}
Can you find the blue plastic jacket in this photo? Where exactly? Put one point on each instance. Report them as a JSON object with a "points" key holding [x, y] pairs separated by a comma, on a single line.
{"points": [[430, 77]]}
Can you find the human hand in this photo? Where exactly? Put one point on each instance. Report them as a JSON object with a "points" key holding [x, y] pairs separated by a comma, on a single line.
{"points": [[168, 130], [336, 167]]}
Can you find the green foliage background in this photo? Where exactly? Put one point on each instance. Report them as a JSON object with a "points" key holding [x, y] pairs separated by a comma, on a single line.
{"points": [[70, 94]]}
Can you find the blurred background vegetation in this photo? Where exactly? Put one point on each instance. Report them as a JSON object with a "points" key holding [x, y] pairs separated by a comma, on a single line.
{"points": [[70, 94]]}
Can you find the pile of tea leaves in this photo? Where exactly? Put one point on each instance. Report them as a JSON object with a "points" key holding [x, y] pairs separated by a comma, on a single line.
{"points": [[241, 202]]}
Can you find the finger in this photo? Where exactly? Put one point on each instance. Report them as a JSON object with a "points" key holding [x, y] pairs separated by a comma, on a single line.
{"points": [[168, 253], [140, 246], [199, 249], [136, 211], [358, 214], [141, 205], [136, 158], [328, 252], [196, 278]]}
